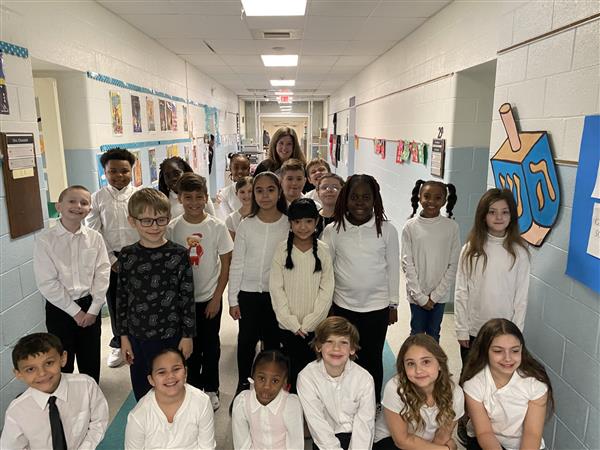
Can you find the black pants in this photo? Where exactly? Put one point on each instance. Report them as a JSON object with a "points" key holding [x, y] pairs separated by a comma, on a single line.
{"points": [[464, 352], [299, 352], [143, 352], [372, 328], [203, 364], [344, 439], [258, 322], [111, 302], [83, 343], [385, 444]]}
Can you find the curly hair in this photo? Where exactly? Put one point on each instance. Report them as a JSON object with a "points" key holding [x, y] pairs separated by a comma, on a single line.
{"points": [[412, 397], [449, 192], [179, 162]]}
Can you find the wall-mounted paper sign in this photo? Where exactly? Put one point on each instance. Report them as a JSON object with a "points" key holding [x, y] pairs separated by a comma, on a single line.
{"points": [[21, 163]]}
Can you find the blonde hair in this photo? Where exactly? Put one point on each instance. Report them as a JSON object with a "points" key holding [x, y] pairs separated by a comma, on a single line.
{"points": [[148, 198], [290, 165]]}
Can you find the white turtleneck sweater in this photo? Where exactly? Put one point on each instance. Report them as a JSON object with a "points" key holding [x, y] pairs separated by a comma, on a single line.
{"points": [[499, 291], [430, 248]]}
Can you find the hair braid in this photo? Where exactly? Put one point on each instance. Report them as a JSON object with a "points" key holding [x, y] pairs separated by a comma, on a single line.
{"points": [[289, 264], [414, 199], [315, 248], [451, 199]]}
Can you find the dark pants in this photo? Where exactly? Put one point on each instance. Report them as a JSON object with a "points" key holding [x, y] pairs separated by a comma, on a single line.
{"points": [[299, 352], [372, 328], [427, 321], [464, 352], [83, 343], [344, 439], [203, 364], [111, 302], [258, 322], [385, 444], [143, 352]]}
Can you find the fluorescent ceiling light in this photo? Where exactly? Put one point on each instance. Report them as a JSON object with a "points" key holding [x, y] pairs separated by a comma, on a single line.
{"points": [[283, 82], [274, 7], [288, 93], [280, 60]]}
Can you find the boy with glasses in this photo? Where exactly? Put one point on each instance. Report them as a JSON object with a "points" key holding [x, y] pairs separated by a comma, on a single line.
{"points": [[155, 292]]}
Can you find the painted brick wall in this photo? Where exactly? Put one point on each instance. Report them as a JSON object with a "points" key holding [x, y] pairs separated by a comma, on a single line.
{"points": [[21, 305], [554, 84]]}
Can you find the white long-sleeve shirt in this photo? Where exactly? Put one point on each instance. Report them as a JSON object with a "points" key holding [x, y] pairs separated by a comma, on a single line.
{"points": [[69, 266], [192, 427], [253, 250], [366, 267], [228, 201], [301, 297], [498, 292], [109, 217], [276, 426], [345, 404], [430, 249], [83, 412]]}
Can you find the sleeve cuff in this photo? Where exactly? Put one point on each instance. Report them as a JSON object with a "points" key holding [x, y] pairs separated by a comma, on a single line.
{"points": [[72, 309], [462, 335], [95, 307]]}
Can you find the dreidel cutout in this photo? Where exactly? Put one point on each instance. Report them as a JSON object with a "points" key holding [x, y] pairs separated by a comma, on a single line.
{"points": [[524, 165]]}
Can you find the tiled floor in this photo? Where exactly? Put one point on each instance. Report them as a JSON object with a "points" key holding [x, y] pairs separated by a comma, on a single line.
{"points": [[116, 385]]}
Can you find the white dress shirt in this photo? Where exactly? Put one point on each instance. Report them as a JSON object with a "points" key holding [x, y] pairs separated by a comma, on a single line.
{"points": [[83, 412], [215, 242], [392, 401], [233, 221], [109, 217], [228, 201], [366, 267], [430, 248], [69, 266], [301, 297], [345, 404], [177, 207], [499, 291], [276, 426], [253, 250], [507, 406], [192, 427]]}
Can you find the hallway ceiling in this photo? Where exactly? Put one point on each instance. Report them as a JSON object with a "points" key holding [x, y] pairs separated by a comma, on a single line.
{"points": [[335, 40]]}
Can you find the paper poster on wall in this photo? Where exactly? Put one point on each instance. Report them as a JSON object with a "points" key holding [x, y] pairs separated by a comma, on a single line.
{"points": [[524, 164], [185, 118], [186, 153], [399, 151], [171, 116], [102, 181], [194, 163], [583, 260], [136, 114], [4, 108], [172, 150], [137, 170], [153, 166], [150, 114], [162, 113], [116, 112]]}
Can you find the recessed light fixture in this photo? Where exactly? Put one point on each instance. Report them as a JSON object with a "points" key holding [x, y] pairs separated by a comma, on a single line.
{"points": [[280, 60], [274, 7], [282, 83]]}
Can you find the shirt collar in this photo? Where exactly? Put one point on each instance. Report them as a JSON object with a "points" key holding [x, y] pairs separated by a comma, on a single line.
{"points": [[490, 379], [273, 407], [41, 398], [119, 194], [347, 369], [370, 223], [60, 229], [495, 239], [435, 219]]}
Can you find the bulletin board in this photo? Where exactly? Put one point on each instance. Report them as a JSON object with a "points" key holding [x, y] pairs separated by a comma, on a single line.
{"points": [[21, 184]]}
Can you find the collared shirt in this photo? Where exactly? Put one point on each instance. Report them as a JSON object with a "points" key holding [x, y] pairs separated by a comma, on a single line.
{"points": [[206, 242], [228, 201], [83, 412], [256, 426], [499, 291], [109, 217], [253, 250], [392, 401], [366, 266], [345, 404], [300, 296], [507, 406], [69, 266], [430, 248], [233, 221], [192, 427]]}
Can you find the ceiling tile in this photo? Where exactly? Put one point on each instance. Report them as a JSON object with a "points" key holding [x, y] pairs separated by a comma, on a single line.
{"points": [[121, 7], [333, 28], [376, 48], [341, 8], [386, 28], [409, 9], [243, 60], [185, 45], [248, 70], [254, 46], [317, 60], [208, 8], [321, 47], [224, 27], [354, 60], [275, 23], [204, 60]]}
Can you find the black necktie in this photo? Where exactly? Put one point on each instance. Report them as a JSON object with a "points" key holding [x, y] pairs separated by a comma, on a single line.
{"points": [[58, 434]]}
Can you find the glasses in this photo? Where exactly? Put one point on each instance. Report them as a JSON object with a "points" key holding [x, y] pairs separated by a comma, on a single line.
{"points": [[147, 222], [329, 187]]}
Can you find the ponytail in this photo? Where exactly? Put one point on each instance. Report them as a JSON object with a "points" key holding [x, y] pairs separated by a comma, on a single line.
{"points": [[289, 264], [315, 248], [451, 201], [414, 199]]}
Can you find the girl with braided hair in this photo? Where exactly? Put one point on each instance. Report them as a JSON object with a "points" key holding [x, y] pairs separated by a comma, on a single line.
{"points": [[366, 262], [430, 249], [301, 285]]}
